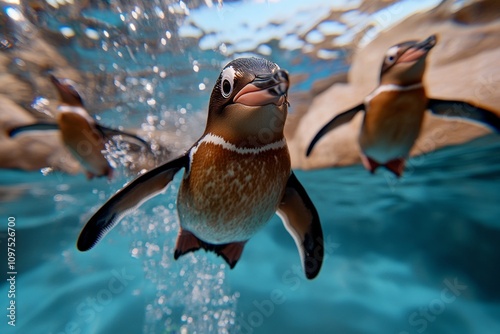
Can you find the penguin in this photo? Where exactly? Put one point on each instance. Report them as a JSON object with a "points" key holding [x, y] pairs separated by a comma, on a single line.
{"points": [[394, 111], [236, 176], [82, 135]]}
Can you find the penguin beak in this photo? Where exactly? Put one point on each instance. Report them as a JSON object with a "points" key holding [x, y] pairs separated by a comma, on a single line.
{"points": [[418, 50], [66, 91], [264, 90], [58, 83]]}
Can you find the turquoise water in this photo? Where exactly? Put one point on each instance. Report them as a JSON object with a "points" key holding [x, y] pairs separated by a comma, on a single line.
{"points": [[415, 255], [419, 254]]}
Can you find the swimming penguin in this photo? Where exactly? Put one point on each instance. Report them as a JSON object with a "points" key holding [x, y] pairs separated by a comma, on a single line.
{"points": [[84, 138], [395, 110], [236, 176]]}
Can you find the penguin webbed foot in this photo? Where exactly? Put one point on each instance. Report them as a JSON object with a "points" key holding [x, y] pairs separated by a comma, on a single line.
{"points": [[369, 164], [396, 166], [188, 242], [231, 252]]}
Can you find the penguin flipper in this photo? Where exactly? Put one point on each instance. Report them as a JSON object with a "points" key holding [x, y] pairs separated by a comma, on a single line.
{"points": [[301, 219], [338, 120], [127, 199], [33, 127], [464, 110], [109, 133]]}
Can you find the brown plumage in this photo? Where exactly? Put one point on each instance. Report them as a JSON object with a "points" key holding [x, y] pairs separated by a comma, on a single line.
{"points": [[81, 134], [237, 175], [395, 110]]}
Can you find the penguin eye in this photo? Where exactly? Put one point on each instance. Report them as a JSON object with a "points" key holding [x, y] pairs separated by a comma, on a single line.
{"points": [[227, 82], [227, 88], [391, 55], [390, 59]]}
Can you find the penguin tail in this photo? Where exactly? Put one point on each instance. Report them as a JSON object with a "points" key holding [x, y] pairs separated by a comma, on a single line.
{"points": [[188, 242]]}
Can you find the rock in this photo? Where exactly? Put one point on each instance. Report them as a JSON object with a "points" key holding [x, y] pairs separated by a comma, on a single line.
{"points": [[463, 65]]}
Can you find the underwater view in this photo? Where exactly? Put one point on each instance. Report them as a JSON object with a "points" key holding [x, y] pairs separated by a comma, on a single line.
{"points": [[249, 166]]}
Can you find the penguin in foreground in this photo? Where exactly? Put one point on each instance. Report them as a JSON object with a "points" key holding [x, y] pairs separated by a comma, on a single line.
{"points": [[236, 176], [84, 138], [395, 110]]}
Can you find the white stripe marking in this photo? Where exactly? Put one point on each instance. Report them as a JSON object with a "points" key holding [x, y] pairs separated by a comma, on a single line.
{"points": [[217, 140], [76, 110], [391, 88]]}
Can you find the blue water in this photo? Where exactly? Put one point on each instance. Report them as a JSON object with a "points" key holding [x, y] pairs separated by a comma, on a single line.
{"points": [[408, 256]]}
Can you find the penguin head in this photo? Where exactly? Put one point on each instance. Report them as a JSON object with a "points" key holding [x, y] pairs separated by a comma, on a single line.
{"points": [[248, 104], [404, 63], [67, 91]]}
